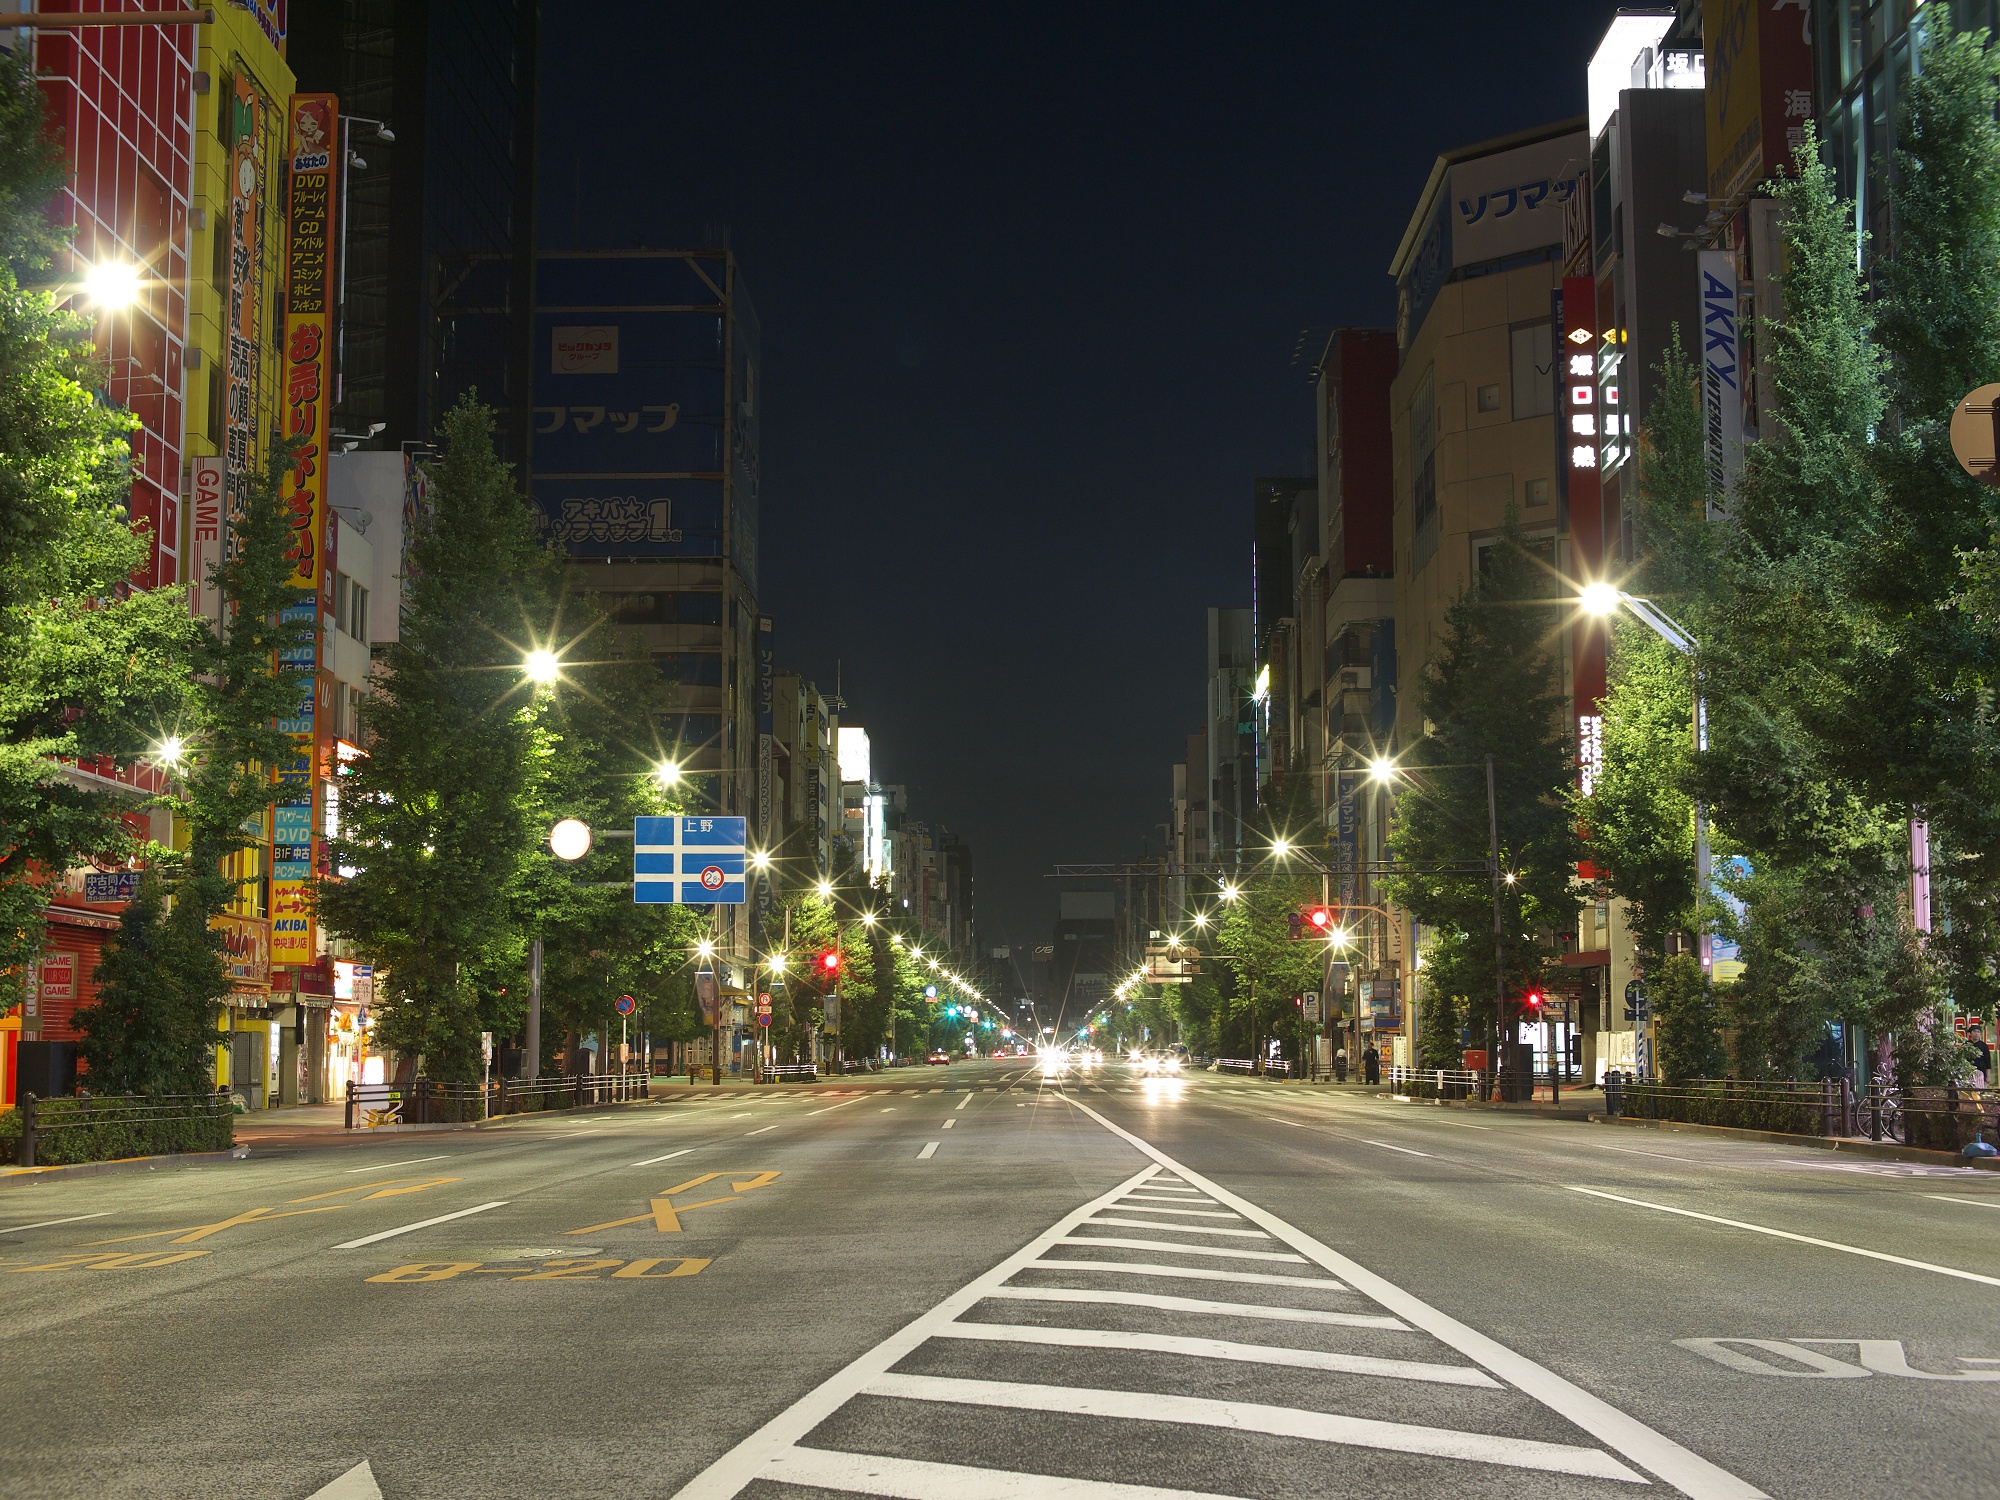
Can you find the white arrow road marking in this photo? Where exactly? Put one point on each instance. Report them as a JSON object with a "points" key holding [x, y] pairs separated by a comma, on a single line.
{"points": [[390, 1234], [358, 1483]]}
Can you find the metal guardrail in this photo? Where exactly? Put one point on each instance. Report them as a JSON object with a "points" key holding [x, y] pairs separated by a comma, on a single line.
{"points": [[791, 1073], [425, 1101], [132, 1118], [1247, 1067], [1440, 1083]]}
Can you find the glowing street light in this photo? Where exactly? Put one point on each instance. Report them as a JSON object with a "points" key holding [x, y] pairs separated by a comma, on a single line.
{"points": [[704, 949], [112, 284], [570, 839], [667, 773], [170, 751], [760, 859], [775, 963], [1281, 847], [1201, 919], [542, 666], [1598, 599], [1230, 893], [824, 889], [868, 919], [1381, 768]]}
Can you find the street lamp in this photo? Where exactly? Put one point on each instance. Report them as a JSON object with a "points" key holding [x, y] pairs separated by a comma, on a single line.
{"points": [[1381, 768], [170, 751], [760, 859], [824, 890], [113, 284], [1281, 847], [542, 666], [570, 839], [667, 773]]}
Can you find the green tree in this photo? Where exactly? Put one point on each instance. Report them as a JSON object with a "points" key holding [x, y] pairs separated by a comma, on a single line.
{"points": [[435, 819], [151, 1029], [1270, 964], [1688, 1016], [1493, 693], [88, 665]]}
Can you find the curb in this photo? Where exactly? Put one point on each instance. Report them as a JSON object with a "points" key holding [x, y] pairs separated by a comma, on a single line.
{"points": [[1531, 1112], [1876, 1150], [30, 1176]]}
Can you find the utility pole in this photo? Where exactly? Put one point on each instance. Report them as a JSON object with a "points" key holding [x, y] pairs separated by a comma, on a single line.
{"points": [[1499, 975], [534, 1058]]}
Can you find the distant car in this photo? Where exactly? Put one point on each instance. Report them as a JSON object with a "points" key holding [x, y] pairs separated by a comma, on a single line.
{"points": [[1155, 1064], [938, 1056]]}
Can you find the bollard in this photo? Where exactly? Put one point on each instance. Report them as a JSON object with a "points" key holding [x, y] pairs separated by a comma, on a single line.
{"points": [[348, 1124]]}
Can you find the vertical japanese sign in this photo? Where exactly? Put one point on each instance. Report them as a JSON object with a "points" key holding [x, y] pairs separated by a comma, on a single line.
{"points": [[309, 336], [1721, 376], [247, 124]]}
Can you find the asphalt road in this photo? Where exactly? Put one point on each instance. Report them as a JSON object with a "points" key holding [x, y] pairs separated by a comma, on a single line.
{"points": [[978, 1283]]}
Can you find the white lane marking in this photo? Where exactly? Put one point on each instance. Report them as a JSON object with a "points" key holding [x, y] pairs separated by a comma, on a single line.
{"points": [[350, 1171], [758, 1131], [1279, 1120], [965, 1101], [1247, 1354], [913, 1479], [1135, 1206], [1245, 1234], [949, 1123], [930, 1150], [1245, 1416], [1660, 1155], [652, 1161], [358, 1483], [888, 1109], [1941, 1197], [51, 1223], [1686, 1470], [1803, 1239], [390, 1234], [831, 1107], [1161, 1198], [1387, 1147], [1167, 1187], [1192, 1273], [1215, 1250], [1197, 1305]]}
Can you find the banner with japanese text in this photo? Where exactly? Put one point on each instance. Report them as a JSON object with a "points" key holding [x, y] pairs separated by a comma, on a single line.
{"points": [[309, 330]]}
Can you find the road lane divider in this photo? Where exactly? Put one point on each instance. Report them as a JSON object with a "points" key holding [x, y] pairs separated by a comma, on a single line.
{"points": [[381, 1165], [965, 1101], [1407, 1151], [573, 1269], [51, 1223], [1941, 1197], [1786, 1234], [758, 1131], [949, 1123], [653, 1161], [390, 1234], [930, 1150]]}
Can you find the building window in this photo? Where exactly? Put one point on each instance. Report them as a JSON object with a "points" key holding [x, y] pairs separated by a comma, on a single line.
{"points": [[1538, 492], [1534, 364], [1489, 397]]}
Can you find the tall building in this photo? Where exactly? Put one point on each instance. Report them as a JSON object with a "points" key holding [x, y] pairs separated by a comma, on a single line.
{"points": [[437, 277], [1473, 408], [1285, 529], [1230, 732]]}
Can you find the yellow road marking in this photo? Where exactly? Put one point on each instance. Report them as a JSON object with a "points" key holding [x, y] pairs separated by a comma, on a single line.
{"points": [[203, 1231], [386, 1189], [663, 1213]]}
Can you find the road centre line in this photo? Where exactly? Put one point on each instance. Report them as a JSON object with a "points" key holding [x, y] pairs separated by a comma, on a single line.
{"points": [[1198, 1305], [1634, 1151], [758, 1131], [51, 1223], [930, 1150], [1803, 1239], [1280, 1120], [350, 1171], [1387, 1147], [949, 1123], [652, 1161], [1941, 1197], [1253, 1354], [390, 1234], [1235, 1416], [1686, 1470]]}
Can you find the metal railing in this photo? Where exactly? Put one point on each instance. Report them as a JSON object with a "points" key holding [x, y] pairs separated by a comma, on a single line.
{"points": [[106, 1127], [1944, 1118], [1247, 1067], [425, 1101], [790, 1073], [1439, 1083]]}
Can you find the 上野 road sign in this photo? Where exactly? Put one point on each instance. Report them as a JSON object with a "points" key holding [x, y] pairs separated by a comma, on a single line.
{"points": [[763, 1010], [626, 1005], [689, 860]]}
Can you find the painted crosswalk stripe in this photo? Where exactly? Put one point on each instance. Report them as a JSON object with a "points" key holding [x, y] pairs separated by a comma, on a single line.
{"points": [[1191, 1273], [1244, 1416], [1247, 1234], [913, 1479], [1137, 1206], [1125, 1243], [1194, 1348], [1164, 1303]]}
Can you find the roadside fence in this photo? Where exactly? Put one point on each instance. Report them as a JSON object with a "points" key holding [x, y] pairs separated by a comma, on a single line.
{"points": [[1942, 1119], [1247, 1067], [60, 1132], [426, 1101], [790, 1073]]}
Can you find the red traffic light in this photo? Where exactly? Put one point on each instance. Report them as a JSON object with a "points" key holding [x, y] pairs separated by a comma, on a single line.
{"points": [[1320, 917], [1316, 921], [829, 961], [1532, 1000]]}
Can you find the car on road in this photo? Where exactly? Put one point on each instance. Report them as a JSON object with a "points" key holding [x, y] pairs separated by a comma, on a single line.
{"points": [[1155, 1064], [938, 1055]]}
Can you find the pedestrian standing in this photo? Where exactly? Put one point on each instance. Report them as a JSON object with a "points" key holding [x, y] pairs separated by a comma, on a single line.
{"points": [[1340, 1064], [1982, 1058], [1371, 1065]]}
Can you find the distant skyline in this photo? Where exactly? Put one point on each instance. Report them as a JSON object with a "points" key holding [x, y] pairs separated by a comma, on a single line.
{"points": [[1032, 285]]}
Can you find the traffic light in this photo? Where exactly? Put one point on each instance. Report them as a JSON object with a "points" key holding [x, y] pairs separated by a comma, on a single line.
{"points": [[1312, 921], [1531, 1003], [829, 963]]}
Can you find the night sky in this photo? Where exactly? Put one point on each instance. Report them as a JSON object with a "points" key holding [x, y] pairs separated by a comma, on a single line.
{"points": [[1031, 281]]}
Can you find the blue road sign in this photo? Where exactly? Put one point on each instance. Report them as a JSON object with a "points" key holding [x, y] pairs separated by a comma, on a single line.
{"points": [[689, 861]]}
